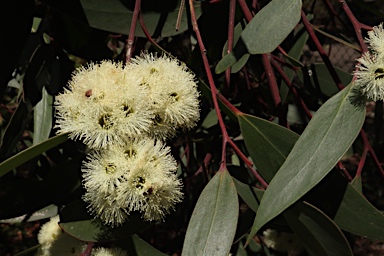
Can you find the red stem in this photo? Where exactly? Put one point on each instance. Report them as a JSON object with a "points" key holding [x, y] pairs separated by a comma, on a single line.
{"points": [[211, 83], [274, 88], [293, 89], [356, 25], [371, 151], [231, 26], [131, 36], [321, 51]]}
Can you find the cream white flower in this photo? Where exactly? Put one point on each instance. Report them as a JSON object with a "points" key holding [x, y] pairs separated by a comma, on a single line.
{"points": [[49, 232], [138, 176], [54, 242], [173, 92], [376, 39], [102, 105], [370, 76], [108, 252], [151, 192]]}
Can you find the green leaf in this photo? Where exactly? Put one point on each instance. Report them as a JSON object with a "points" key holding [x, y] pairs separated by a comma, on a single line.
{"points": [[114, 16], [145, 249], [26, 196], [42, 118], [15, 128], [294, 54], [212, 226], [356, 215], [44, 213], [319, 234], [75, 221], [243, 59], [357, 48], [357, 184], [249, 194], [320, 76], [267, 143], [30, 153], [327, 137], [271, 25], [232, 58]]}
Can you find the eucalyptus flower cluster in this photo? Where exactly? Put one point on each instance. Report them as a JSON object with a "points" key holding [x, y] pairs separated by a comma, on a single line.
{"points": [[370, 68], [124, 115], [54, 242]]}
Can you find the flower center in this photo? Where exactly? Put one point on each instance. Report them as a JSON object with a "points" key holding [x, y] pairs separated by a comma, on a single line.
{"points": [[379, 73], [175, 96], [130, 153], [110, 168], [153, 70], [105, 121], [139, 182], [127, 109]]}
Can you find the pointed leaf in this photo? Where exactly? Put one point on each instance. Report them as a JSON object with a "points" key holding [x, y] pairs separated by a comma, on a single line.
{"points": [[271, 25], [30, 153], [42, 118], [319, 234], [294, 54], [75, 221], [114, 16], [235, 67], [249, 194], [327, 137], [212, 226], [358, 216], [321, 77], [145, 249], [267, 143]]}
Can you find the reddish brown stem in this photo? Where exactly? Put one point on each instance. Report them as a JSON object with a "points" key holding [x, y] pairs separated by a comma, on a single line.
{"points": [[231, 26], [321, 51], [131, 36], [356, 25], [274, 88], [371, 151], [293, 89]]}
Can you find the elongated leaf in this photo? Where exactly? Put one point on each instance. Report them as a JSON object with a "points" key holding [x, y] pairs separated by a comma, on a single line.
{"points": [[15, 128], [212, 226], [319, 234], [271, 25], [355, 214], [145, 249], [295, 53], [357, 48], [320, 76], [267, 143], [327, 137], [114, 16], [75, 221], [243, 59], [30, 153], [26, 196], [42, 118], [249, 194], [358, 216], [47, 212]]}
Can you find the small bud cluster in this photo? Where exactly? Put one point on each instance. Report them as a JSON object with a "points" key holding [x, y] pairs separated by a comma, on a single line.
{"points": [[370, 70], [54, 242], [124, 115]]}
